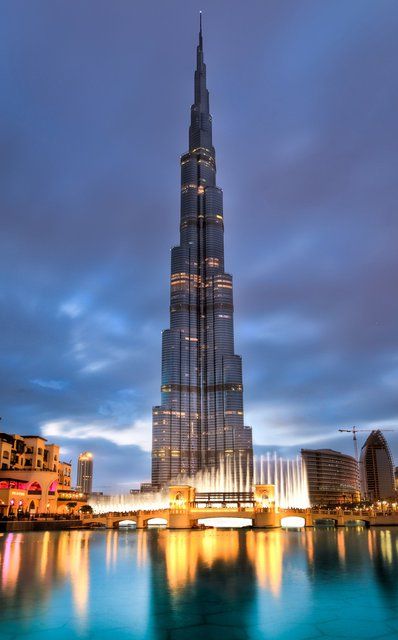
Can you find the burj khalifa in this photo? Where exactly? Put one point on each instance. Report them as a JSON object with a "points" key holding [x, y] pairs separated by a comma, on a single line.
{"points": [[199, 424]]}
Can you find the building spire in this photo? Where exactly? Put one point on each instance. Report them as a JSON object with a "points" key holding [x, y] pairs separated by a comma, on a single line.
{"points": [[200, 129], [199, 50]]}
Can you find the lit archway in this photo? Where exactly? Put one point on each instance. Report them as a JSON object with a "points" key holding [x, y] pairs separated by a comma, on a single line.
{"points": [[325, 522], [52, 488], [35, 488], [225, 523], [293, 522], [357, 523], [127, 523], [157, 522]]}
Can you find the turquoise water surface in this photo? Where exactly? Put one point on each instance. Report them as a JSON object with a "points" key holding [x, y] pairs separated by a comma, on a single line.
{"points": [[186, 585]]}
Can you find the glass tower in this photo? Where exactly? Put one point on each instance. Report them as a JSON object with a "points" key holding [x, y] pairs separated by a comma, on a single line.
{"points": [[85, 472], [377, 471], [199, 424]]}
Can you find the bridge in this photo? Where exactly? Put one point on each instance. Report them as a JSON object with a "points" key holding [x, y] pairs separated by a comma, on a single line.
{"points": [[187, 507]]}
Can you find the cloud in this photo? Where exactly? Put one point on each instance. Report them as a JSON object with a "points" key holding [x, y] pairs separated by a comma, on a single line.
{"points": [[55, 385], [137, 434], [72, 309], [306, 157]]}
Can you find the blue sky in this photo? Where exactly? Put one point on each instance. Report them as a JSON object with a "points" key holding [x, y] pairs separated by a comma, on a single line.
{"points": [[94, 116]]}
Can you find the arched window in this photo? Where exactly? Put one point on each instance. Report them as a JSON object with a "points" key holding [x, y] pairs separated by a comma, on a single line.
{"points": [[35, 489]]}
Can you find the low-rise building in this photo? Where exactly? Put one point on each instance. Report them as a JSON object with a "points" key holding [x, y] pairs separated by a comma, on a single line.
{"points": [[65, 475], [333, 477], [33, 480]]}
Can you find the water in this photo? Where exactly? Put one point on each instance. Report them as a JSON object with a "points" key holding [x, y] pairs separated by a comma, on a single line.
{"points": [[289, 478], [189, 585], [130, 502], [230, 475]]}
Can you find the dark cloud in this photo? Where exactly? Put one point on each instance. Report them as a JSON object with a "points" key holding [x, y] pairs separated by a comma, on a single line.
{"points": [[95, 117]]}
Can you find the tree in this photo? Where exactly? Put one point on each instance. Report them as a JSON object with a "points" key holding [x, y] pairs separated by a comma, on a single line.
{"points": [[86, 509]]}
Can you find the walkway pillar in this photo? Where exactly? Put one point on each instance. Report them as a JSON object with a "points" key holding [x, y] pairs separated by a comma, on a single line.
{"points": [[141, 522], [309, 521], [181, 497], [265, 519], [179, 519]]}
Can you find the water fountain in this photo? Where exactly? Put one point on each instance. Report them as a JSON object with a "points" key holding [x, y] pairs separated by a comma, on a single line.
{"points": [[124, 503], [288, 476], [228, 476]]}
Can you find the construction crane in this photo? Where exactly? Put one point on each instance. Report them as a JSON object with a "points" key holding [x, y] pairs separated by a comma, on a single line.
{"points": [[355, 430]]}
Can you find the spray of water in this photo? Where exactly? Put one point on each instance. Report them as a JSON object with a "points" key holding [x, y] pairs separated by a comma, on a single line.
{"points": [[230, 475], [125, 503], [288, 476]]}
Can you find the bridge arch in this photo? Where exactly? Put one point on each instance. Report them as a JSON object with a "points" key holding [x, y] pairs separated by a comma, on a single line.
{"points": [[357, 522], [117, 520], [156, 521], [293, 521], [331, 522], [225, 522]]}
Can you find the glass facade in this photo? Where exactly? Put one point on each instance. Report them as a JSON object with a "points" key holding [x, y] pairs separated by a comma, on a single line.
{"points": [[200, 419], [333, 477], [85, 472], [377, 471]]}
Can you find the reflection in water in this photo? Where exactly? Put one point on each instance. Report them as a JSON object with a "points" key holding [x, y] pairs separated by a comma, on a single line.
{"points": [[383, 550], [184, 551], [79, 572], [42, 561], [147, 581], [112, 539], [11, 562], [309, 544], [216, 547], [341, 545], [142, 547], [386, 546], [265, 551], [181, 555], [44, 553], [197, 573]]}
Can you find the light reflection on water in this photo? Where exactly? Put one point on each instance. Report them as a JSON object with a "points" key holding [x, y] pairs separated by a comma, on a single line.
{"points": [[162, 584]]}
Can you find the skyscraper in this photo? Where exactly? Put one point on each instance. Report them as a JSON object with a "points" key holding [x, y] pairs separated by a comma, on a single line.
{"points": [[199, 424], [85, 472], [376, 465]]}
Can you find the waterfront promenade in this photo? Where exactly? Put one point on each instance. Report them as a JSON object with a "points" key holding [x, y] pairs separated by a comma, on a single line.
{"points": [[187, 508], [174, 519]]}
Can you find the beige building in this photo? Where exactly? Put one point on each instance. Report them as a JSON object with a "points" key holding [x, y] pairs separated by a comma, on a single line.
{"points": [[33, 480], [27, 452]]}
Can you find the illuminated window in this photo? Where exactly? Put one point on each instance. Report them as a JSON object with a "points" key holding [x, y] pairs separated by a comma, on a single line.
{"points": [[213, 262]]}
